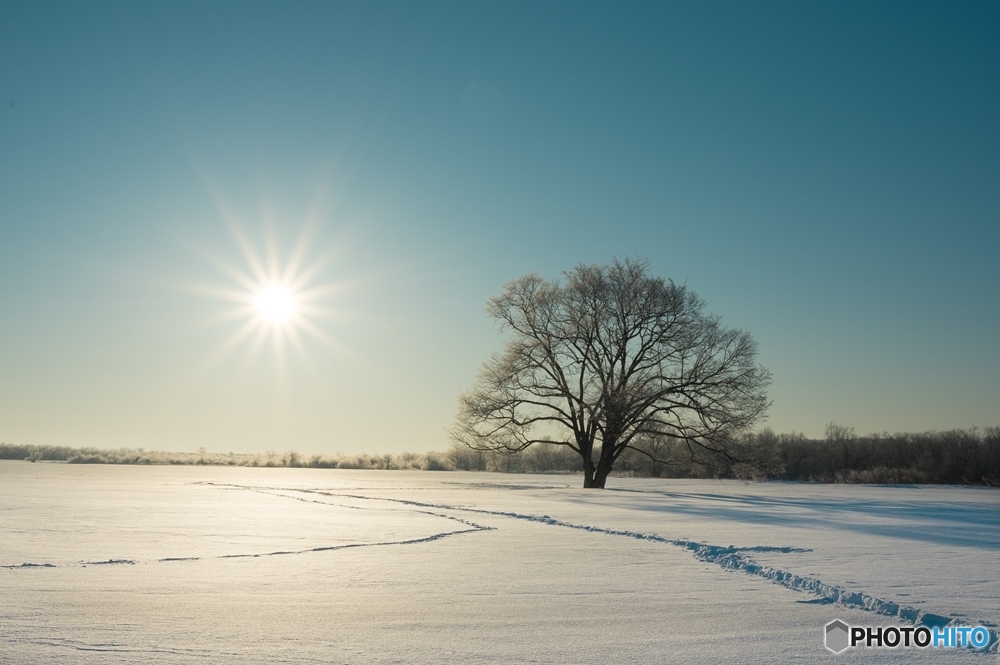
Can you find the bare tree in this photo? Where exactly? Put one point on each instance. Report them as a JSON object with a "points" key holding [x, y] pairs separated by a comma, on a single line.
{"points": [[607, 356], [386, 461]]}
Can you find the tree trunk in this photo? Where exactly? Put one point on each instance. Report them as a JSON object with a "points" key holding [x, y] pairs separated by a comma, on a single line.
{"points": [[600, 477], [588, 473], [601, 473], [604, 465], [596, 477]]}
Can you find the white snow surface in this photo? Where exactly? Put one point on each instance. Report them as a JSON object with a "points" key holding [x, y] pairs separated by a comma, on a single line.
{"points": [[240, 565]]}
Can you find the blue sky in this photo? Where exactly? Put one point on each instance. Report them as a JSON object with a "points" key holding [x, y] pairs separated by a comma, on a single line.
{"points": [[825, 177]]}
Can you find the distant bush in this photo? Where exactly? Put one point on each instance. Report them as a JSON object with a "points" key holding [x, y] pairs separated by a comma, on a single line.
{"points": [[35, 453], [437, 462], [464, 458], [539, 458]]}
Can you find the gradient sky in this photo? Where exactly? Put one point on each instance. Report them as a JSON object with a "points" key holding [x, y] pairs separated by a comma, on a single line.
{"points": [[825, 175]]}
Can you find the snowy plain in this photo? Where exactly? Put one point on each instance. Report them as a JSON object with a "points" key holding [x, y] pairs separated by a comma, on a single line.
{"points": [[241, 565]]}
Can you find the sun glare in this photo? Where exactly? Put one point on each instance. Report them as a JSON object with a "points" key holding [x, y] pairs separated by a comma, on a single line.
{"points": [[276, 304]]}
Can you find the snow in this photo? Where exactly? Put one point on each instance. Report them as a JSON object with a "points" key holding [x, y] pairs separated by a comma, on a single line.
{"points": [[227, 565]]}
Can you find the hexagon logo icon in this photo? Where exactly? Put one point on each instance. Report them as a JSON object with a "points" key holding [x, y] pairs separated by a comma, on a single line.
{"points": [[837, 636]]}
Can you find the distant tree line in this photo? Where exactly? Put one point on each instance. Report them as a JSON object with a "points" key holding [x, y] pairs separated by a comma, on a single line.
{"points": [[431, 461], [959, 456]]}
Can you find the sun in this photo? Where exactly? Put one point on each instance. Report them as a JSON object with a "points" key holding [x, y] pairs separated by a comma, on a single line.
{"points": [[275, 300], [276, 303]]}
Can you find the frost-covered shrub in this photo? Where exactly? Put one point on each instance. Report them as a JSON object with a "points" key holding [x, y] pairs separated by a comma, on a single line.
{"points": [[434, 461], [362, 461]]}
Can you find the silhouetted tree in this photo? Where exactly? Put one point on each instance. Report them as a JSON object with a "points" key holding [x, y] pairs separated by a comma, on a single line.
{"points": [[605, 359]]}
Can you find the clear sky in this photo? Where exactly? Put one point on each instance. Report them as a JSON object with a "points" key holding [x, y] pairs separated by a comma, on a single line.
{"points": [[825, 175]]}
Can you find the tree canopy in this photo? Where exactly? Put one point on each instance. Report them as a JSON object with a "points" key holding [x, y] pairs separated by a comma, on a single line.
{"points": [[608, 357]]}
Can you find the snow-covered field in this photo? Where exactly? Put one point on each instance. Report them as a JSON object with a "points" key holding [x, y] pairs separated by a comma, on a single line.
{"points": [[238, 565]]}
